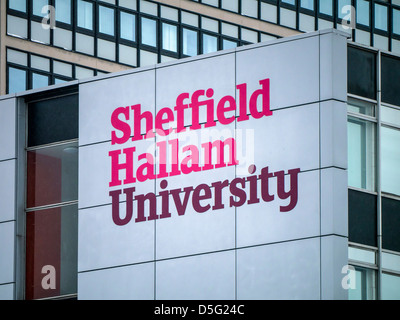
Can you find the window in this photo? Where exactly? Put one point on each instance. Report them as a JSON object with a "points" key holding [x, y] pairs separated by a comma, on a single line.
{"points": [[326, 7], [364, 286], [228, 44], [51, 197], [390, 157], [39, 80], [292, 2], [363, 12], [169, 37], [390, 88], [362, 217], [149, 32], [391, 225], [390, 286], [361, 154], [128, 26], [210, 43], [16, 80], [307, 4], [381, 17], [343, 8], [85, 14], [63, 11], [361, 72], [39, 7], [396, 21], [106, 20], [19, 5], [189, 42]]}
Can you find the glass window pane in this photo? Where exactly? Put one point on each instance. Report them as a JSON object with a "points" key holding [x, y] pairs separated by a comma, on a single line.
{"points": [[149, 32], [228, 44], [362, 255], [55, 233], [17, 57], [363, 12], [343, 8], [16, 80], [396, 21], [63, 11], [19, 5], [381, 17], [52, 175], [232, 5], [40, 63], [390, 157], [39, 81], [362, 217], [391, 225], [390, 115], [106, 20], [390, 86], [210, 43], [53, 120], [38, 7], [361, 107], [17, 26], [106, 49], [361, 72], [390, 287], [326, 7], [364, 287], [249, 8], [189, 42], [289, 1], [85, 14], [128, 26], [361, 154], [169, 37], [307, 4], [391, 261]]}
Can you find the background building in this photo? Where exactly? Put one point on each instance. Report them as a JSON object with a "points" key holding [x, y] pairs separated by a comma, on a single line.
{"points": [[97, 37]]}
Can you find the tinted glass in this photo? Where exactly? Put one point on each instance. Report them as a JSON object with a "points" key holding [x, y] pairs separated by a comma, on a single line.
{"points": [[390, 224], [391, 80], [53, 120], [362, 218], [361, 74]]}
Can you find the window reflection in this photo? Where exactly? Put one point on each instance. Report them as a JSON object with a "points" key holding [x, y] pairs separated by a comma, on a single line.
{"points": [[128, 28], [149, 32], [361, 154], [189, 42], [390, 157], [169, 37], [85, 14], [51, 175]]}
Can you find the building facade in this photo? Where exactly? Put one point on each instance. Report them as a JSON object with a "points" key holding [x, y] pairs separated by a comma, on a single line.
{"points": [[53, 42]]}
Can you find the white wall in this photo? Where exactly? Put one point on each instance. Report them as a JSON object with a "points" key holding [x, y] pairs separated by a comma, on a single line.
{"points": [[249, 252]]}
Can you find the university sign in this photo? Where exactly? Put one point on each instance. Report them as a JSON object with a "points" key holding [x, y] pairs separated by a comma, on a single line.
{"points": [[127, 122], [221, 176]]}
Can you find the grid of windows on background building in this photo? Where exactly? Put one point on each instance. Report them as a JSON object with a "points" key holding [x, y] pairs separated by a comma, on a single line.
{"points": [[374, 173], [376, 22], [129, 32], [52, 198]]}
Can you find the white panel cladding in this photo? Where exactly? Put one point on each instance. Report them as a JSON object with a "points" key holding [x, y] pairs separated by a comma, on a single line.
{"points": [[8, 129], [306, 133], [102, 244], [200, 277], [285, 271], [7, 236], [98, 99], [7, 190], [134, 282]]}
